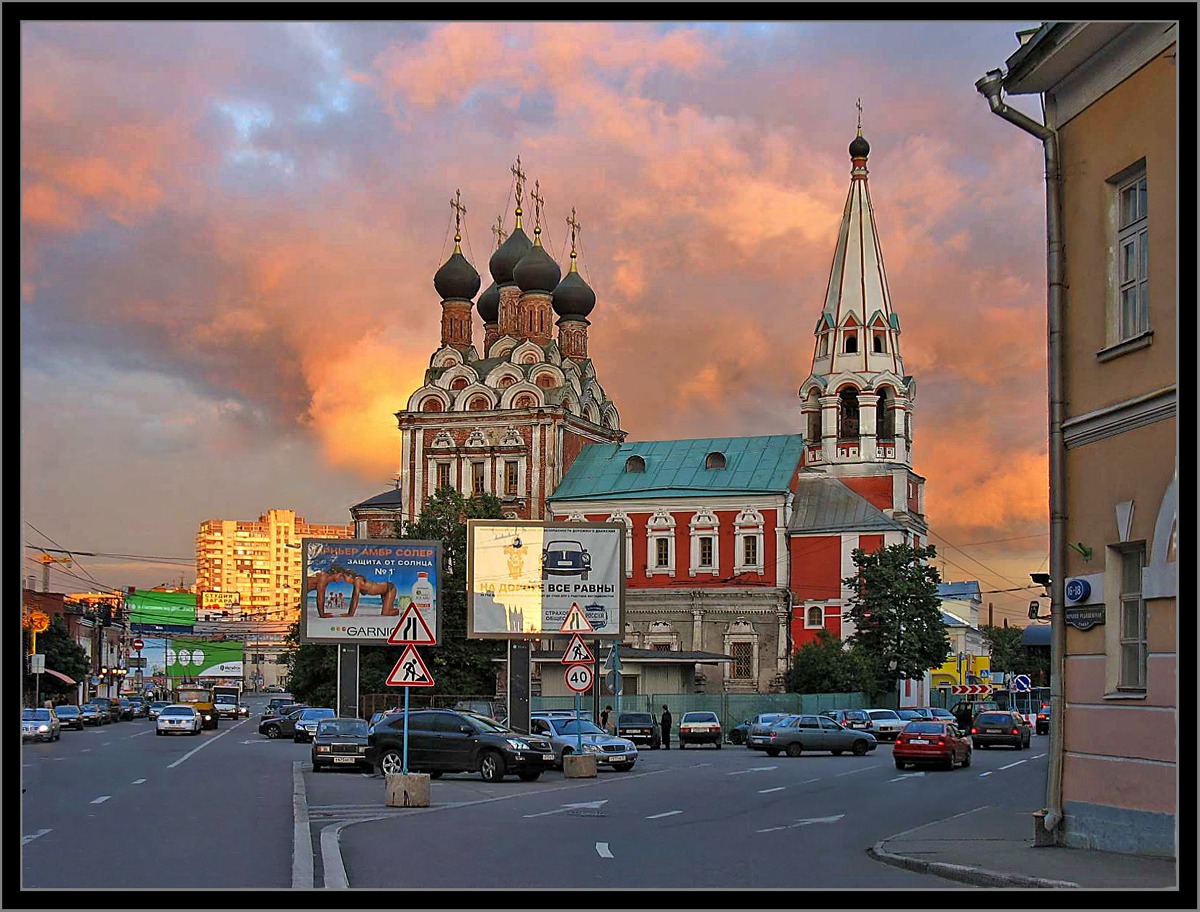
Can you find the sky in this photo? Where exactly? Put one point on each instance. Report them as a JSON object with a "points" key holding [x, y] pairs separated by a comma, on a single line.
{"points": [[230, 232]]}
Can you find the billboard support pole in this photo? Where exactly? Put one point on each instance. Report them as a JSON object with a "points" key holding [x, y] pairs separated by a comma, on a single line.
{"points": [[596, 680], [347, 680]]}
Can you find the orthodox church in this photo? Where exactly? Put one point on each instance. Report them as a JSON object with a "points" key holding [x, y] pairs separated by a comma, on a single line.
{"points": [[736, 547]]}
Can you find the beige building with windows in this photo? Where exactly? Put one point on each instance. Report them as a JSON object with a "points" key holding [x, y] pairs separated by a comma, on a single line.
{"points": [[1110, 98]]}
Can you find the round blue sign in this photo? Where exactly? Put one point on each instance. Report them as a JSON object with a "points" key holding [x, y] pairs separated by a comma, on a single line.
{"points": [[1078, 590]]}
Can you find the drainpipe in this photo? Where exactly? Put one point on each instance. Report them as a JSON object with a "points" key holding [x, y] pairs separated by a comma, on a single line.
{"points": [[990, 86]]}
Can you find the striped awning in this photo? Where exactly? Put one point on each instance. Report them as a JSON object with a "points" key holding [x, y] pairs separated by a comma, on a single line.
{"points": [[61, 676]]}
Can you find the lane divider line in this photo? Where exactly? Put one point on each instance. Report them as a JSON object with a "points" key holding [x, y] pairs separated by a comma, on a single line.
{"points": [[778, 788], [101, 799], [138, 781], [1011, 765], [25, 840], [602, 850], [663, 814]]}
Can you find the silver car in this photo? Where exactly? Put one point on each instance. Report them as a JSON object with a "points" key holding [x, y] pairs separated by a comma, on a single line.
{"points": [[797, 734], [760, 726], [885, 724], [307, 721], [40, 724], [568, 736]]}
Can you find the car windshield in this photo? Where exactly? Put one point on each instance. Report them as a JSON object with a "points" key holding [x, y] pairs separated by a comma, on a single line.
{"points": [[178, 711], [994, 719], [309, 715], [924, 728], [221, 698], [575, 727], [767, 718], [67, 710], [346, 728], [484, 723], [699, 717], [637, 719], [882, 714], [908, 714], [159, 704], [36, 715]]}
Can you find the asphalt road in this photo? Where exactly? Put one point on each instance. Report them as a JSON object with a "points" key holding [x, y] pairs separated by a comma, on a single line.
{"points": [[231, 809]]}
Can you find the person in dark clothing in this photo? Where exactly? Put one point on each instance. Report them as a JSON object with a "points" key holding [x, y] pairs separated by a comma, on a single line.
{"points": [[604, 717], [964, 717], [665, 723]]}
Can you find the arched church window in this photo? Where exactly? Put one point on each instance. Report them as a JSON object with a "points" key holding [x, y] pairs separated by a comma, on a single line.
{"points": [[848, 413], [908, 427], [714, 461], [431, 405], [885, 422], [879, 341], [635, 464], [477, 404], [823, 345], [814, 617], [850, 343], [458, 383], [524, 401]]}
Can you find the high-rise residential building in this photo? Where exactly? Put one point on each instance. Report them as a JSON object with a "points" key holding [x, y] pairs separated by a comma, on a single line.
{"points": [[253, 569]]}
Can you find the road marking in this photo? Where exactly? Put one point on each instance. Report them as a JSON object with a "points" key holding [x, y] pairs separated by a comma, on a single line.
{"points": [[138, 781], [1037, 756], [85, 750], [808, 820], [753, 769], [907, 776], [771, 829], [602, 850], [663, 814], [818, 779], [101, 799], [593, 805], [852, 772], [778, 788], [988, 773], [1011, 765], [27, 839], [199, 747]]}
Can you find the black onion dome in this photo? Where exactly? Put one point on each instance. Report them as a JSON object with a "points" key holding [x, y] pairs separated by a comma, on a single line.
{"points": [[573, 297], [859, 147], [507, 255], [488, 304], [457, 278], [537, 271]]}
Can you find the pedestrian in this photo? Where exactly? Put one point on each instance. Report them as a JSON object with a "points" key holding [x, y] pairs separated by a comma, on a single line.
{"points": [[604, 717], [665, 723]]}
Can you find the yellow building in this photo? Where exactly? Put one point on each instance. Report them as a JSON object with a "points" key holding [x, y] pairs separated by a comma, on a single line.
{"points": [[253, 569]]}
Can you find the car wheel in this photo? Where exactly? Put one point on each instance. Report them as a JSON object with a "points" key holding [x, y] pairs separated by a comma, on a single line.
{"points": [[272, 731], [622, 767], [436, 775], [899, 764], [859, 748], [531, 776], [967, 760], [718, 745], [157, 732], [949, 764], [836, 753], [736, 738], [772, 752], [794, 749], [391, 763], [491, 766], [296, 739]]}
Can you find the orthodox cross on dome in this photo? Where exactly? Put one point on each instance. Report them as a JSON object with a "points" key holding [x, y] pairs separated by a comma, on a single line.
{"points": [[459, 211], [520, 176], [858, 104], [498, 230], [538, 202], [576, 228]]}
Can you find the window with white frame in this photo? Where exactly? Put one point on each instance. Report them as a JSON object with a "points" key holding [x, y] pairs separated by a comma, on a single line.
{"points": [[1133, 255], [662, 552], [814, 617], [622, 518], [741, 642], [702, 531], [477, 477], [748, 534], [706, 551], [660, 543], [1131, 673], [443, 474], [510, 477], [743, 660]]}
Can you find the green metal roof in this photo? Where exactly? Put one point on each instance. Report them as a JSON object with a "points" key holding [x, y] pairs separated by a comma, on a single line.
{"points": [[676, 468]]}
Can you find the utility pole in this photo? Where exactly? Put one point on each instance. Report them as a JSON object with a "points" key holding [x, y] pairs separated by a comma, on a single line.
{"points": [[46, 561], [989, 614]]}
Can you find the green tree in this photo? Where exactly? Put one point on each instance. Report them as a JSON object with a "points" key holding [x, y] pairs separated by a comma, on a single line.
{"points": [[63, 655], [1011, 656], [896, 613], [824, 665]]}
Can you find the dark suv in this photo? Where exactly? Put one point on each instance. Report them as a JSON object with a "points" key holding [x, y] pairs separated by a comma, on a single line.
{"points": [[110, 706], [640, 728], [445, 741]]}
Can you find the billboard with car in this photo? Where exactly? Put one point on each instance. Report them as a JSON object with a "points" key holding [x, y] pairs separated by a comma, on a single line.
{"points": [[523, 577]]}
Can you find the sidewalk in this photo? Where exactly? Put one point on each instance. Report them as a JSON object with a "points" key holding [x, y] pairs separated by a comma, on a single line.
{"points": [[993, 847]]}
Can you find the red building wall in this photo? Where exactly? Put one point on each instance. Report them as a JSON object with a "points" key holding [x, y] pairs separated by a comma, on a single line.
{"points": [[876, 489]]}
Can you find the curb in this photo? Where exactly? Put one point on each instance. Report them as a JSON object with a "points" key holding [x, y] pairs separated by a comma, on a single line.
{"points": [[964, 873]]}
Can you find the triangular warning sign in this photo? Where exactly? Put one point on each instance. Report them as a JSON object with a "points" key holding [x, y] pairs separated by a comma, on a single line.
{"points": [[576, 621], [412, 630], [577, 652], [410, 671]]}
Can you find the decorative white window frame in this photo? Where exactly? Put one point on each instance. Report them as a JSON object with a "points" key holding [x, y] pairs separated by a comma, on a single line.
{"points": [[661, 632], [808, 612], [749, 524], [622, 518], [741, 631], [443, 440], [1115, 595], [476, 438], [704, 524], [1120, 336], [660, 525], [432, 472]]}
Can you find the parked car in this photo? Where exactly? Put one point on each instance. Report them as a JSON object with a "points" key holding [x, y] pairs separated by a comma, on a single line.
{"points": [[565, 557], [178, 717], [908, 714], [1042, 721], [155, 707], [126, 706], [640, 728], [40, 724], [110, 706], [444, 741], [798, 733], [94, 714], [850, 718], [339, 742], [569, 736], [758, 725], [493, 709], [274, 689], [932, 741], [1001, 727], [276, 704], [282, 725], [935, 712], [69, 716], [700, 728], [965, 711], [884, 723], [306, 722], [141, 707]]}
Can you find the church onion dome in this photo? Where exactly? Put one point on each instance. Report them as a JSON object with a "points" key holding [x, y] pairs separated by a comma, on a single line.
{"points": [[488, 304], [573, 297], [507, 255], [537, 271], [457, 279], [859, 147]]}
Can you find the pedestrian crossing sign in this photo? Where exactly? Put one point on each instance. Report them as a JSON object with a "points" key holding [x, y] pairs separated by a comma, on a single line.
{"points": [[410, 671], [412, 629]]}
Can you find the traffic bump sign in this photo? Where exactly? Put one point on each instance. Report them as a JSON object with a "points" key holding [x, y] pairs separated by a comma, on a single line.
{"points": [[412, 630], [576, 621], [410, 671], [577, 652]]}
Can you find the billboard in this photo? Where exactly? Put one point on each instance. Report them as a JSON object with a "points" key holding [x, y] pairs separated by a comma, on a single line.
{"points": [[176, 609], [356, 589], [202, 658], [523, 577]]}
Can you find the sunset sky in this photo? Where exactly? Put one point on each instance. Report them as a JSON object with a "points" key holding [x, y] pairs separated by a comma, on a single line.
{"points": [[231, 231]]}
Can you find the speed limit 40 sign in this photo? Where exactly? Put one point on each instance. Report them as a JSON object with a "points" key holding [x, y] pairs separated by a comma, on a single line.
{"points": [[579, 678]]}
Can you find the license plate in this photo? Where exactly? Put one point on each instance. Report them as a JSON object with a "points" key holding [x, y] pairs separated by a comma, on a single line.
{"points": [[918, 741], [344, 759], [991, 731], [549, 758], [616, 758]]}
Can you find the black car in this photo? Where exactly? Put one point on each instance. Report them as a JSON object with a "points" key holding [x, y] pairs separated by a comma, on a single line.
{"points": [[141, 707], [127, 711], [1001, 726], [445, 741], [340, 742], [640, 728], [69, 716], [110, 706], [284, 724], [94, 714]]}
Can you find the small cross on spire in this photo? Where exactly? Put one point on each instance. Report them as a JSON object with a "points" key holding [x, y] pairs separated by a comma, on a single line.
{"points": [[538, 201], [576, 228], [520, 176], [459, 211], [498, 230], [858, 104]]}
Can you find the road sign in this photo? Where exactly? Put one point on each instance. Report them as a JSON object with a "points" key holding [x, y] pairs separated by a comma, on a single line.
{"points": [[410, 671], [971, 689], [412, 629], [1022, 683], [613, 680], [577, 652], [579, 678], [137, 644], [576, 621]]}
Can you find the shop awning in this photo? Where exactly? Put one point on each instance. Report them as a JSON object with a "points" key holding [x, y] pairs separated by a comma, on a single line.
{"points": [[61, 676]]}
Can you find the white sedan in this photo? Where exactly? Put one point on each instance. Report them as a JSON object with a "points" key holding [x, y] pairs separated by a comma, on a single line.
{"points": [[178, 718]]}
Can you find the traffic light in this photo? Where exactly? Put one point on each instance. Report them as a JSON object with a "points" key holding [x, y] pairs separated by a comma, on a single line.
{"points": [[1033, 610]]}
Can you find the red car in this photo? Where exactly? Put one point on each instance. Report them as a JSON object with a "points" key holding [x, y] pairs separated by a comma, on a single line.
{"points": [[932, 741]]}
